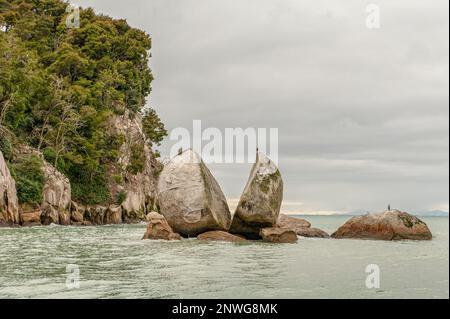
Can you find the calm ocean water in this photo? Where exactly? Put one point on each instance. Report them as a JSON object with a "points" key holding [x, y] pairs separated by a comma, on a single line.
{"points": [[115, 263]]}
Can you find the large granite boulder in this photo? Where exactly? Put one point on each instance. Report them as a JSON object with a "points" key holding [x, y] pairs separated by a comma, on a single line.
{"points": [[260, 202], [278, 235], [158, 228], [389, 225], [9, 206], [190, 198], [301, 227], [218, 235]]}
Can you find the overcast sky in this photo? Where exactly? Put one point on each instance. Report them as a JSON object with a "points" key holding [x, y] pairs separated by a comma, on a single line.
{"points": [[362, 113]]}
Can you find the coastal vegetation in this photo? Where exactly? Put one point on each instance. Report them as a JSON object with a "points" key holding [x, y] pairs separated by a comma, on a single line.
{"points": [[60, 88]]}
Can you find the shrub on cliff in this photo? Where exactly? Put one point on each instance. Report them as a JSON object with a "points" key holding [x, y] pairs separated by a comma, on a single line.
{"points": [[27, 172]]}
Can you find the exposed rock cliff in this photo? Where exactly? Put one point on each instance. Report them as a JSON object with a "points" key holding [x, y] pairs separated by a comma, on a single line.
{"points": [[56, 193], [9, 207], [135, 175]]}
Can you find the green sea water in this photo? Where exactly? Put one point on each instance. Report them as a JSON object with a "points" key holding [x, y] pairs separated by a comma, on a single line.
{"points": [[113, 262]]}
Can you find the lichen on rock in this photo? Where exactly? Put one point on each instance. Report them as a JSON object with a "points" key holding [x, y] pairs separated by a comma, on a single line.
{"points": [[260, 202]]}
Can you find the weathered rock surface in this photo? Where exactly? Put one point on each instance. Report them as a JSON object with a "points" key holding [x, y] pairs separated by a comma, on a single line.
{"points": [[76, 213], [113, 215], [260, 202], [285, 221], [139, 188], [311, 232], [95, 214], [57, 190], [64, 217], [190, 198], [49, 215], [301, 227], [158, 228], [218, 235], [9, 206], [32, 218], [278, 235], [389, 225]]}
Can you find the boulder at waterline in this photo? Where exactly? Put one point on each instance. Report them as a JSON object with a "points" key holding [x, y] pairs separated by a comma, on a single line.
{"points": [[56, 191], [260, 202], [311, 232], [285, 221], [9, 206], [389, 225], [158, 228], [49, 215], [76, 213], [301, 227], [190, 198], [32, 218], [278, 235], [113, 215], [218, 235]]}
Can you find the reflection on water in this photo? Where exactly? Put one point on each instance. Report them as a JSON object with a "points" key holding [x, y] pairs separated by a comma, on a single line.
{"points": [[115, 263]]}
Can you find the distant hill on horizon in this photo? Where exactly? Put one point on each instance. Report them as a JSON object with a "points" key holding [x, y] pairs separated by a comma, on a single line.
{"points": [[433, 213]]}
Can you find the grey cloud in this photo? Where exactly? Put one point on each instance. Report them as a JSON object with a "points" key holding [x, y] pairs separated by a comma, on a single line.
{"points": [[363, 114]]}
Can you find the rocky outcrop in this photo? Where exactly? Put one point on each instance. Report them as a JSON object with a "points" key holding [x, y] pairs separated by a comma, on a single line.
{"points": [[76, 213], [311, 232], [113, 215], [389, 225], [218, 235], [190, 198], [9, 206], [158, 228], [260, 202], [56, 193], [32, 218], [285, 221], [138, 187], [278, 235], [95, 214], [301, 227], [49, 215]]}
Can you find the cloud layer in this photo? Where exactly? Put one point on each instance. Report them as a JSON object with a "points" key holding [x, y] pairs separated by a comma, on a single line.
{"points": [[362, 113]]}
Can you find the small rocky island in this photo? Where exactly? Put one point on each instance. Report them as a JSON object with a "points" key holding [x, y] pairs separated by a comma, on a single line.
{"points": [[388, 225]]}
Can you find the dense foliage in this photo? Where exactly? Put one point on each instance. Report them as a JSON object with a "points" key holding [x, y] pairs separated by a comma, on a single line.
{"points": [[29, 179], [59, 86]]}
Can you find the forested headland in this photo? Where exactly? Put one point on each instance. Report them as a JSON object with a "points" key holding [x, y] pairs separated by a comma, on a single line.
{"points": [[75, 99]]}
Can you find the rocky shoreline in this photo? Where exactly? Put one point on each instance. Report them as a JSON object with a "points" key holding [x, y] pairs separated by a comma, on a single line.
{"points": [[191, 204], [57, 205]]}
